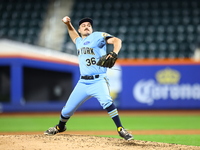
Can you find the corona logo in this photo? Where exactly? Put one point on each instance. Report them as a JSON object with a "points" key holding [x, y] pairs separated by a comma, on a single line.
{"points": [[168, 76]]}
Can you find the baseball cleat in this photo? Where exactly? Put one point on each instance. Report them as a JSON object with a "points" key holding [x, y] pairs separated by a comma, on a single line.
{"points": [[124, 134], [54, 130]]}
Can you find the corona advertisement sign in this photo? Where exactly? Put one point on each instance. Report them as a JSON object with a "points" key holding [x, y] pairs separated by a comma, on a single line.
{"points": [[166, 86], [161, 87]]}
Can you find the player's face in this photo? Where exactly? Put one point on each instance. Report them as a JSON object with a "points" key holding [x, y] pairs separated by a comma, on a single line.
{"points": [[85, 29]]}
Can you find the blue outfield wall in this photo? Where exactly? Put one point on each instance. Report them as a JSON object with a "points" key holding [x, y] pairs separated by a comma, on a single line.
{"points": [[135, 87], [161, 87]]}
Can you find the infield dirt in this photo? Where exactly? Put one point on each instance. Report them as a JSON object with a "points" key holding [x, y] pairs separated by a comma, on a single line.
{"points": [[81, 142], [85, 140]]}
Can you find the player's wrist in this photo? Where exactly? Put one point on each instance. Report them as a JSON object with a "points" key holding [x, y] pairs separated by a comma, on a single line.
{"points": [[116, 52], [113, 54]]}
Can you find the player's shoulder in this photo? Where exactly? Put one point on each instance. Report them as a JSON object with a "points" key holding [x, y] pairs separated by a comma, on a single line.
{"points": [[77, 39], [97, 33], [102, 34]]}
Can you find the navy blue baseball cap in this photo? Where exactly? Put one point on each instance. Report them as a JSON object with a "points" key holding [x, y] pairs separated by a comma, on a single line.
{"points": [[86, 20]]}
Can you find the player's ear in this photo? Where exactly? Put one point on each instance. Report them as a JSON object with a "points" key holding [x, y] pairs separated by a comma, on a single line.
{"points": [[79, 30]]}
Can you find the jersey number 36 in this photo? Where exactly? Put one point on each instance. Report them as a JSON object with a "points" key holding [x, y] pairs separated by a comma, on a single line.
{"points": [[91, 61]]}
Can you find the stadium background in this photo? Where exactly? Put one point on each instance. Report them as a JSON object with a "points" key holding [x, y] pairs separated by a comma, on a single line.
{"points": [[158, 66]]}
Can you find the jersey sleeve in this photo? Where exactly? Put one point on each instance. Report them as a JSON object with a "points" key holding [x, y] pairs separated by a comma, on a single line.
{"points": [[102, 38], [106, 35], [77, 40]]}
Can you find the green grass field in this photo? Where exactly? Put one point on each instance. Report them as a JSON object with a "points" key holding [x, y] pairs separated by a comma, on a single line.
{"points": [[103, 123]]}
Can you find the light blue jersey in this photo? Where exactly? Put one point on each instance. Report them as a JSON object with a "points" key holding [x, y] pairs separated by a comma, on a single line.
{"points": [[89, 50]]}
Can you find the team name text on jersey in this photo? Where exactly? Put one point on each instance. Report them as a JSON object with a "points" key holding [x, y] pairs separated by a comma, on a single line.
{"points": [[86, 50]]}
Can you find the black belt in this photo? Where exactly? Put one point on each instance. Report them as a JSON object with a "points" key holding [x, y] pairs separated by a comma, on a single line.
{"points": [[89, 77]]}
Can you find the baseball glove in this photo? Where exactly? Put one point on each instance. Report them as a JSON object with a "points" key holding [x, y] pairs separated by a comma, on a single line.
{"points": [[107, 60]]}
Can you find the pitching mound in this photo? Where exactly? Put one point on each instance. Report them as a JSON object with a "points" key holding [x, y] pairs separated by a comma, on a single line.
{"points": [[81, 142]]}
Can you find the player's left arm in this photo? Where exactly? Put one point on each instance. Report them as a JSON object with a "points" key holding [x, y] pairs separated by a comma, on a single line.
{"points": [[109, 59], [117, 43]]}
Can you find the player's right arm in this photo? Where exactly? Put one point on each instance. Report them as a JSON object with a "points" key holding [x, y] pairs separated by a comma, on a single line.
{"points": [[71, 30]]}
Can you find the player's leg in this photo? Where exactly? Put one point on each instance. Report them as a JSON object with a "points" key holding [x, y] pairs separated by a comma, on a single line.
{"points": [[113, 113], [76, 98], [101, 92]]}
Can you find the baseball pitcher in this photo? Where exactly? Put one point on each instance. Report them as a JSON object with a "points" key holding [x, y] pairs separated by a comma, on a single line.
{"points": [[93, 64]]}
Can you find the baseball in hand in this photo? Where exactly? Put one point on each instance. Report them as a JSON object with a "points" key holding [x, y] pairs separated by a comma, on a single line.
{"points": [[65, 19]]}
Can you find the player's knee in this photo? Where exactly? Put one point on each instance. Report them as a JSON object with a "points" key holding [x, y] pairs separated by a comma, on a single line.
{"points": [[66, 113], [106, 105]]}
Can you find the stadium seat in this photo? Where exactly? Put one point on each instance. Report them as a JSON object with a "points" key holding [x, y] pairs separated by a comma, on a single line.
{"points": [[155, 29], [26, 19]]}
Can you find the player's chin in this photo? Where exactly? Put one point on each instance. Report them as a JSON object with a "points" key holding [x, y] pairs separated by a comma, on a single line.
{"points": [[87, 33]]}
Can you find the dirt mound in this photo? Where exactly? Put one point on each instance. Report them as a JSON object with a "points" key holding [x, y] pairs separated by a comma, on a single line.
{"points": [[81, 142]]}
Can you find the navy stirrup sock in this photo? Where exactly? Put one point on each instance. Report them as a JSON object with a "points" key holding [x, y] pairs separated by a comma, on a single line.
{"points": [[62, 122], [113, 113]]}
